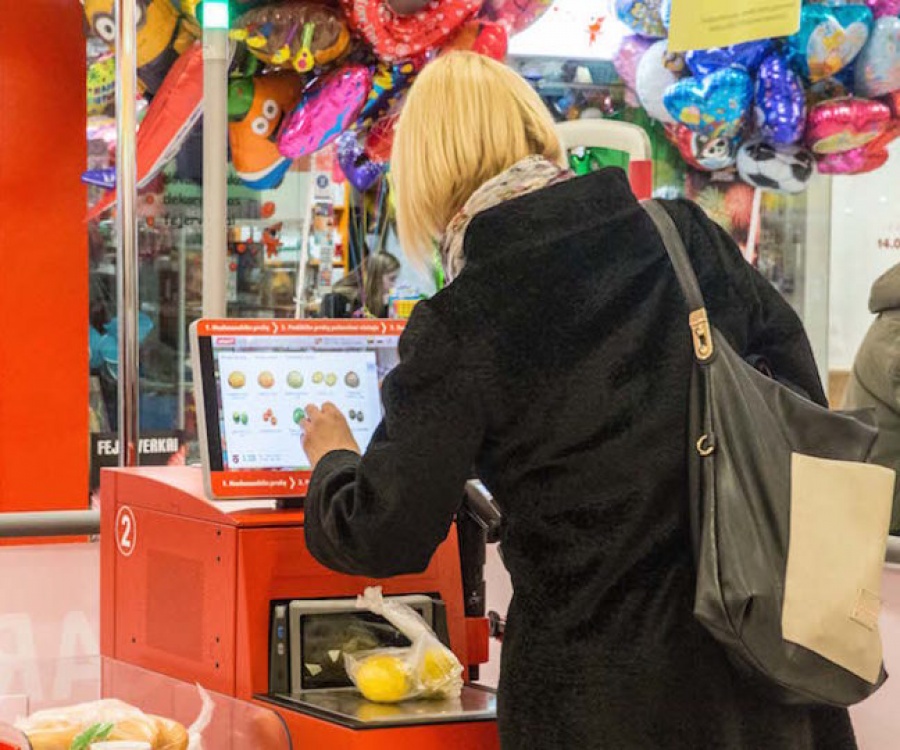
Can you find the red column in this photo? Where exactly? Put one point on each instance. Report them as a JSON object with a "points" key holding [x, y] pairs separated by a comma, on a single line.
{"points": [[43, 257]]}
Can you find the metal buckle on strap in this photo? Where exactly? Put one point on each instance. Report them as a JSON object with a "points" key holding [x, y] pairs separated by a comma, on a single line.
{"points": [[703, 343]]}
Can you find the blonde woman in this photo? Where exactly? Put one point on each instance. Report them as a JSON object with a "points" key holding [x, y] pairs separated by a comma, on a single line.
{"points": [[556, 365]]}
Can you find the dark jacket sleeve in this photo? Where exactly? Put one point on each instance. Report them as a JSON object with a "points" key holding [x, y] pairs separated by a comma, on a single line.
{"points": [[767, 326], [385, 513]]}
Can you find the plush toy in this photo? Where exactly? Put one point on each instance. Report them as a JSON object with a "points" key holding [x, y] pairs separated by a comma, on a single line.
{"points": [[162, 35]]}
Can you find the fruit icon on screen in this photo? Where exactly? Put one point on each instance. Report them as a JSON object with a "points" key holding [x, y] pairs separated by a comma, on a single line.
{"points": [[360, 417], [317, 378], [352, 380], [244, 418], [236, 417], [331, 380], [295, 379], [352, 415], [266, 379], [237, 379], [299, 415]]}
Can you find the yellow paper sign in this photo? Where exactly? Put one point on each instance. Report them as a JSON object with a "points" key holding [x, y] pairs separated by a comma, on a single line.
{"points": [[701, 24]]}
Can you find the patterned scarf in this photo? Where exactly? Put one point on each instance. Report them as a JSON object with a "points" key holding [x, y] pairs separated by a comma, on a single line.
{"points": [[526, 176]]}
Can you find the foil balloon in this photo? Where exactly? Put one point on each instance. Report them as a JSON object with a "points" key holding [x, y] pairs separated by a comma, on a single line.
{"points": [[389, 83], [882, 8], [407, 7], [856, 161], [845, 124], [780, 101], [654, 78], [777, 169], [101, 178], [829, 39], [483, 37], [701, 152], [714, 106], [398, 37], [101, 85], [643, 17], [380, 139], [359, 169], [878, 65], [161, 38], [325, 111], [170, 118], [256, 108], [515, 15], [298, 36], [748, 56], [626, 61]]}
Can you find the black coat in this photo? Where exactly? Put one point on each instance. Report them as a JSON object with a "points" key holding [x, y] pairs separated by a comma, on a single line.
{"points": [[558, 364]]}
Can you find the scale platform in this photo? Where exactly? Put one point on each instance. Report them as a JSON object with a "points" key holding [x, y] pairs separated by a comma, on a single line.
{"points": [[346, 707]]}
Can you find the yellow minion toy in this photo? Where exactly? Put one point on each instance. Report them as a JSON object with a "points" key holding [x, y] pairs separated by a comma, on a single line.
{"points": [[162, 35]]}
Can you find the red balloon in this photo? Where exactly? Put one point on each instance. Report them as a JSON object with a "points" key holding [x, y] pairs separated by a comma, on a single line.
{"points": [[380, 140], [848, 124], [485, 38], [399, 37]]}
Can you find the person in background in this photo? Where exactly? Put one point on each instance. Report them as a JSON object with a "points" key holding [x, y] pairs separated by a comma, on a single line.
{"points": [[363, 294], [875, 380], [556, 365]]}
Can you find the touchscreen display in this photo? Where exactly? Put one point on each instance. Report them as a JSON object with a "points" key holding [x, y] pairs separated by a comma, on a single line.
{"points": [[264, 385]]}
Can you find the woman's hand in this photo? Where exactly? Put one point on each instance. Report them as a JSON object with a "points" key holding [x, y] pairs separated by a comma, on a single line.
{"points": [[326, 430]]}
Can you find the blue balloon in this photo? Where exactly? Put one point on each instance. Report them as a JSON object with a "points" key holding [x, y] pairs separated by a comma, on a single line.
{"points": [[104, 178], [714, 106], [748, 56], [780, 101], [829, 39]]}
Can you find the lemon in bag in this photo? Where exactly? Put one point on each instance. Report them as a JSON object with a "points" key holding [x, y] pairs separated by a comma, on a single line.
{"points": [[437, 668], [383, 679]]}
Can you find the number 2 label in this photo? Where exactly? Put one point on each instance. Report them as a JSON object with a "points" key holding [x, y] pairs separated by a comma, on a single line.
{"points": [[126, 531]]}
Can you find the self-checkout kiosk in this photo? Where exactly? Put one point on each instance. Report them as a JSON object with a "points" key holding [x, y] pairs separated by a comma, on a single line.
{"points": [[205, 574]]}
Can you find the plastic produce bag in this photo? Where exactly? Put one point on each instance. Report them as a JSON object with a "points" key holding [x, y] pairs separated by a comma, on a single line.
{"points": [[93, 724], [427, 669]]}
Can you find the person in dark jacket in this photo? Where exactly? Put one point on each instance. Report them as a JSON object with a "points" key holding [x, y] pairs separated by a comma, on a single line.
{"points": [[875, 381], [557, 363]]}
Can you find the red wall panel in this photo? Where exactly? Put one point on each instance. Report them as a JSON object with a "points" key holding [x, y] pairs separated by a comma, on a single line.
{"points": [[43, 257]]}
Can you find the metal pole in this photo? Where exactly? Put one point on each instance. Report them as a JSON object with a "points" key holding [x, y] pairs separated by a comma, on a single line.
{"points": [[50, 524], [215, 171], [126, 230], [182, 325]]}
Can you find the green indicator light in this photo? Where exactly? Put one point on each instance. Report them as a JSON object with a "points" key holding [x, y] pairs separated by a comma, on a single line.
{"points": [[215, 14]]}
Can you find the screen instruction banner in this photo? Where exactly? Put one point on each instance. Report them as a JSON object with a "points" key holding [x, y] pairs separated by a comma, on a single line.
{"points": [[702, 24]]}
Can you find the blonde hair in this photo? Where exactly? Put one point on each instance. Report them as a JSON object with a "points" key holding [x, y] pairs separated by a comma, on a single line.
{"points": [[467, 119]]}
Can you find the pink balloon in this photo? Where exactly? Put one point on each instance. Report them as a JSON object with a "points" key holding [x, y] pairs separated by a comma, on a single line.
{"points": [[842, 125], [516, 15], [325, 112], [627, 58], [857, 161], [882, 8]]}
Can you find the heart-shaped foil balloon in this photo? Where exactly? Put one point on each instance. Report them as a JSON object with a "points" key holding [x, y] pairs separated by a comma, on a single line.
{"points": [[829, 39], [407, 7], [714, 106], [878, 65], [846, 124], [881, 8], [857, 161], [359, 169], [380, 140], [748, 56], [325, 112], [643, 17], [780, 101], [390, 81]]}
